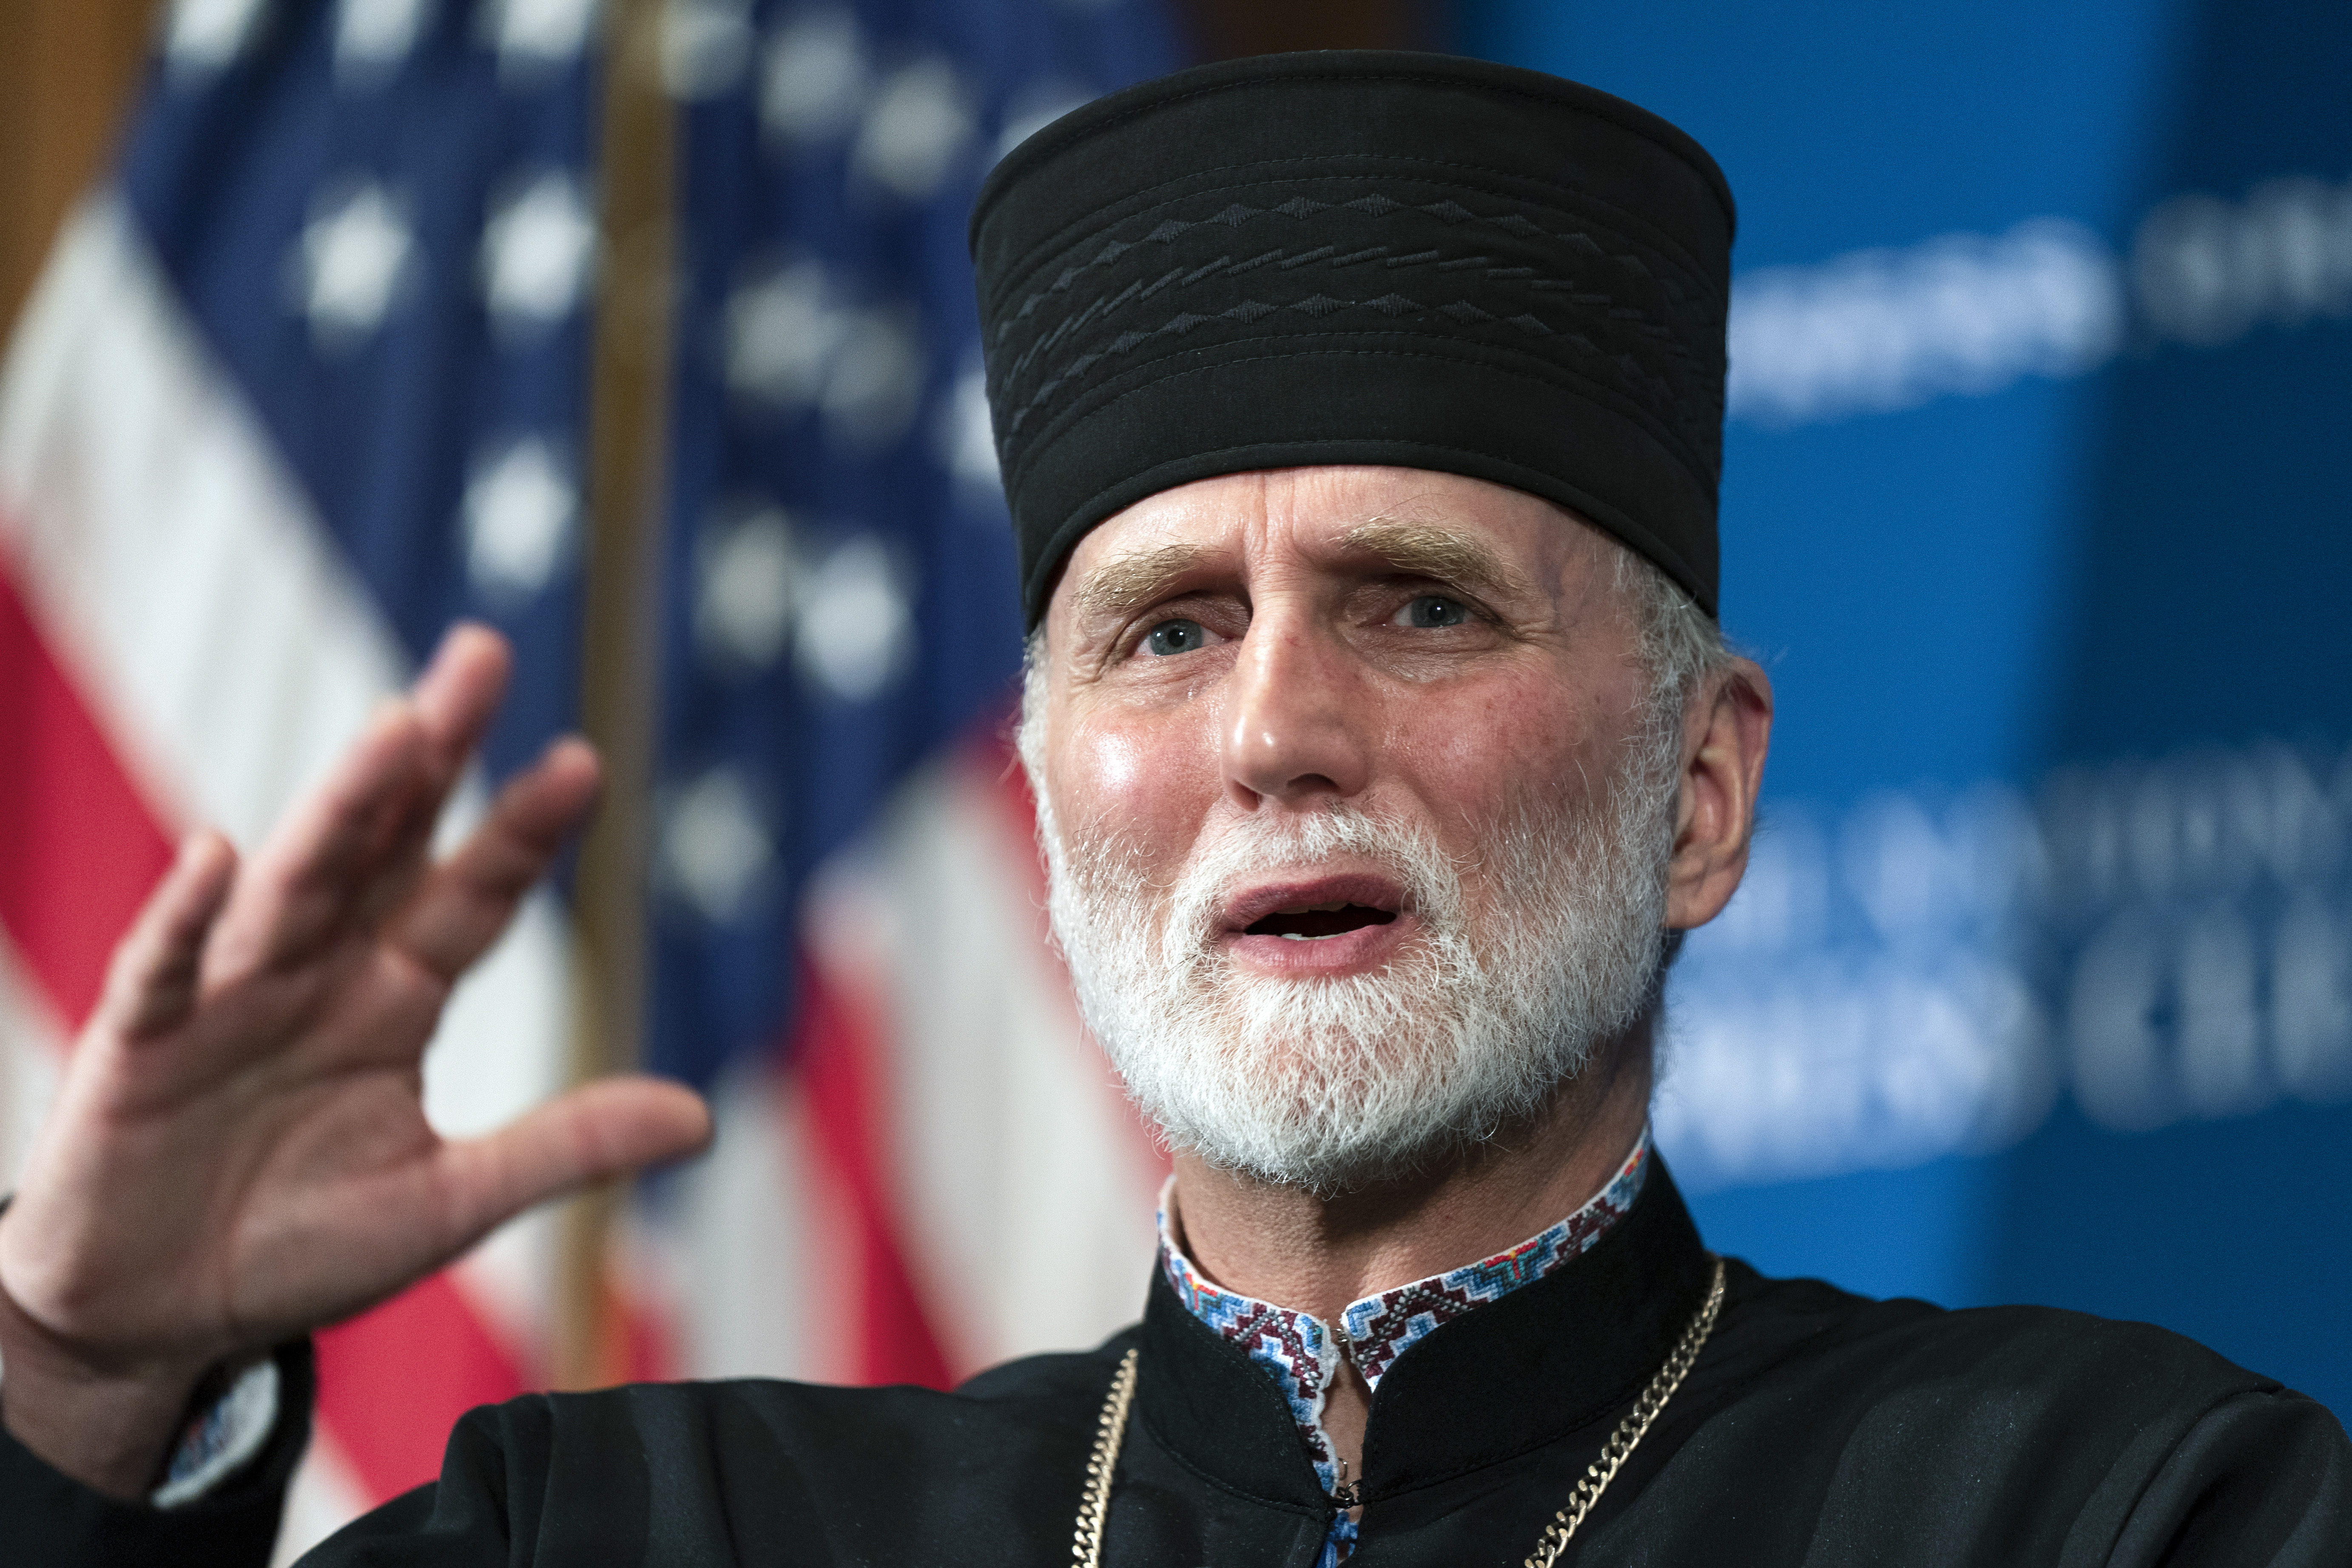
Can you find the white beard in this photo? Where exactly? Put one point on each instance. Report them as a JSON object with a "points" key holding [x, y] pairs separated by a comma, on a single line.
{"points": [[1331, 1083]]}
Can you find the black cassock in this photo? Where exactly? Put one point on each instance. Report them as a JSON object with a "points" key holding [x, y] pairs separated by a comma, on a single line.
{"points": [[1817, 1428]]}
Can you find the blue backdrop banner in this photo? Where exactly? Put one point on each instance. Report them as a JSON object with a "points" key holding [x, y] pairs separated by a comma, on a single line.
{"points": [[2035, 508]]}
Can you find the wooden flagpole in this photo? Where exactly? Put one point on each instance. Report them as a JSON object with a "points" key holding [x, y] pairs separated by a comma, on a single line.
{"points": [[68, 70], [629, 381]]}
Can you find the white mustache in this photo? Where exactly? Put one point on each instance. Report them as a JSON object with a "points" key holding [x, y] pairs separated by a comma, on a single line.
{"points": [[1257, 848]]}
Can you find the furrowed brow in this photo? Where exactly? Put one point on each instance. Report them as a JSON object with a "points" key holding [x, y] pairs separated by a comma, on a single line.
{"points": [[1427, 549], [1121, 583]]}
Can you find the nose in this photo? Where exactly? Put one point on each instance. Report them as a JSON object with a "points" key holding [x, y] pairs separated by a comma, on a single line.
{"points": [[1295, 717]]}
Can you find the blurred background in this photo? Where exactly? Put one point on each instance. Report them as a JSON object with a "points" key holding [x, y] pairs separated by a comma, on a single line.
{"points": [[644, 331]]}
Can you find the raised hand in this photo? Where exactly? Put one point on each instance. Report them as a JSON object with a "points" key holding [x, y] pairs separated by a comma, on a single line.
{"points": [[238, 1150]]}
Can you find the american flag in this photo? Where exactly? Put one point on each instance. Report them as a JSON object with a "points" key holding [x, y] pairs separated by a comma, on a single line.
{"points": [[306, 380], [922, 1166]]}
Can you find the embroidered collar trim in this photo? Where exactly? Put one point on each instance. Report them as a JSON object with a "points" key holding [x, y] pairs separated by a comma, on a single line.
{"points": [[1301, 1353]]}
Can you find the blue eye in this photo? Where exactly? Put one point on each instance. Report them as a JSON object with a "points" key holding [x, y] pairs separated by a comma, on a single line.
{"points": [[1432, 610], [1176, 637]]}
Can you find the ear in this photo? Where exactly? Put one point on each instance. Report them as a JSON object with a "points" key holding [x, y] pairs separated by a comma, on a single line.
{"points": [[1726, 730]]}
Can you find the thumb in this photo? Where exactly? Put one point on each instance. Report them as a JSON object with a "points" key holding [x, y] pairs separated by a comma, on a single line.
{"points": [[601, 1129]]}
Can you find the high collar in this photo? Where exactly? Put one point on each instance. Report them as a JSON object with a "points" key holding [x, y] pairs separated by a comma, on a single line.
{"points": [[1302, 1352], [1528, 1367]]}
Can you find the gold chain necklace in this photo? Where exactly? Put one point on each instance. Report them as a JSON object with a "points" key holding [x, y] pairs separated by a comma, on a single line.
{"points": [[1111, 1434]]}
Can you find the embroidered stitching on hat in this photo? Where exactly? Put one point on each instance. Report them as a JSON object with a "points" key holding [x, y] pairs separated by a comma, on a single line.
{"points": [[1668, 439], [1679, 277], [1702, 392], [1150, 195], [1659, 393]]}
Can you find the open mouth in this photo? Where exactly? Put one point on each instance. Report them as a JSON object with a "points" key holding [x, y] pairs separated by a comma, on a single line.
{"points": [[1313, 922]]}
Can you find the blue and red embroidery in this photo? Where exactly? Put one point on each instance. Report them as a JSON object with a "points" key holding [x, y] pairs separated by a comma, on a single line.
{"points": [[1302, 1352]]}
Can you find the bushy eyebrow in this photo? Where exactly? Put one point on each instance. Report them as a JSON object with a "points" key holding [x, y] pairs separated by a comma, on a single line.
{"points": [[1429, 549], [1122, 582], [1406, 548]]}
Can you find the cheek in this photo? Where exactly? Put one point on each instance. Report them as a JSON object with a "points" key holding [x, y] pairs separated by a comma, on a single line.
{"points": [[1476, 758], [1113, 770], [1135, 779]]}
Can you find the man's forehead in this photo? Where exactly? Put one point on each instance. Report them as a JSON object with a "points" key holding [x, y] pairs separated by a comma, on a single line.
{"points": [[1414, 522]]}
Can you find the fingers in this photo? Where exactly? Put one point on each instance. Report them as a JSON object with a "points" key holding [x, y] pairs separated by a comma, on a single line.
{"points": [[321, 862], [151, 985], [353, 849], [453, 701], [459, 910], [459, 692], [601, 1129]]}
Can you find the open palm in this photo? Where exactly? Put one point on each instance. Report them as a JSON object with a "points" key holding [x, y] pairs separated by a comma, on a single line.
{"points": [[239, 1152]]}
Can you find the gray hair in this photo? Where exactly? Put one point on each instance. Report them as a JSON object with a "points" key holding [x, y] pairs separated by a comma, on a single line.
{"points": [[1680, 645]]}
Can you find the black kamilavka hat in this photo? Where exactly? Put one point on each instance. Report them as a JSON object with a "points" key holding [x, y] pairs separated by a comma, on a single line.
{"points": [[1354, 256]]}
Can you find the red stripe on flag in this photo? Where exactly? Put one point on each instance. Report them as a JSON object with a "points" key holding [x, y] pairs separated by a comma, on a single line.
{"points": [[648, 1349], [80, 849], [992, 756], [837, 1051], [394, 1380]]}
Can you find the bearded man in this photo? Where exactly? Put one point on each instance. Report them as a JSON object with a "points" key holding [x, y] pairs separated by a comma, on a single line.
{"points": [[1359, 416]]}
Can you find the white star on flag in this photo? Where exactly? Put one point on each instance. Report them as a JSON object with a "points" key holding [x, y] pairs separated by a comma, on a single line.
{"points": [[748, 572], [352, 258], [519, 512], [792, 343], [373, 36], [856, 631], [207, 35], [814, 77], [538, 252], [967, 436], [914, 128], [781, 333], [714, 849], [874, 384], [705, 45], [533, 36]]}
